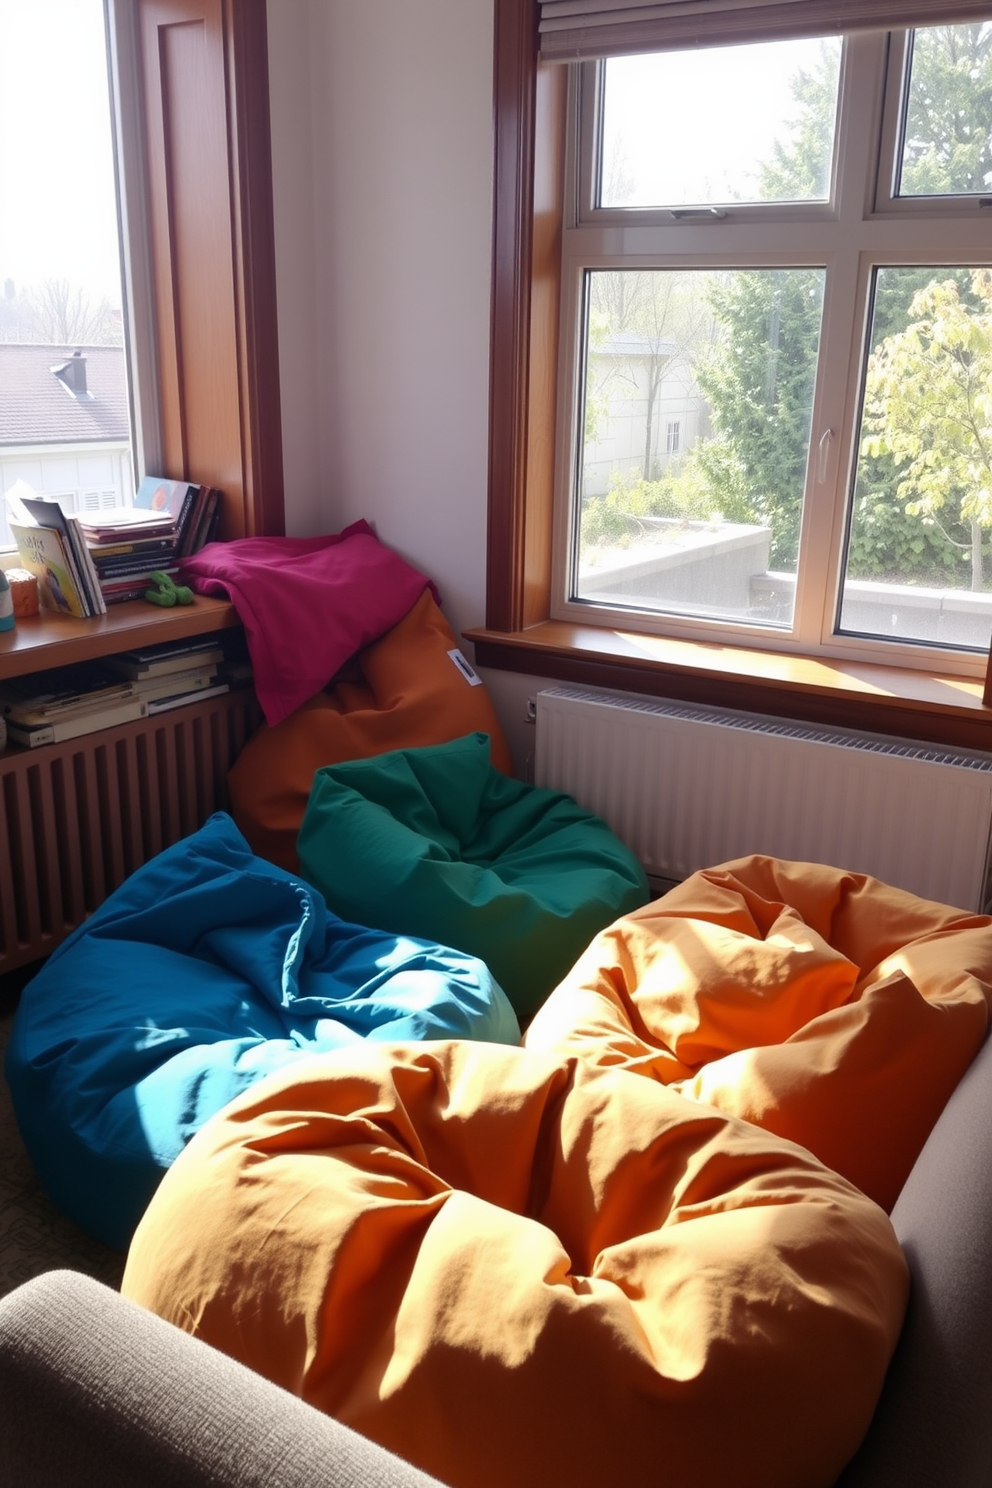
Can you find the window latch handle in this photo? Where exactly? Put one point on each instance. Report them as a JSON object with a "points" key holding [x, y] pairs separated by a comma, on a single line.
{"points": [[822, 455], [680, 212]]}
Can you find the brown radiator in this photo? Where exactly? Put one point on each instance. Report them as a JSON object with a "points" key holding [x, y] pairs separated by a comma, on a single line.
{"points": [[77, 818]]}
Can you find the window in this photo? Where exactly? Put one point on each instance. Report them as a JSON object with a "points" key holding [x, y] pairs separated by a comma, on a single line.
{"points": [[775, 347], [65, 426], [191, 110]]}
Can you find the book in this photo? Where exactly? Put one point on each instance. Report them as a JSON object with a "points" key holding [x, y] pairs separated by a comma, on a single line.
{"points": [[104, 553], [86, 566], [118, 587], [157, 493], [38, 710], [169, 684], [177, 497], [44, 552], [125, 524], [46, 512], [121, 596], [96, 703], [50, 514], [75, 725], [163, 704], [58, 684], [139, 564], [161, 660], [203, 522], [98, 687]]}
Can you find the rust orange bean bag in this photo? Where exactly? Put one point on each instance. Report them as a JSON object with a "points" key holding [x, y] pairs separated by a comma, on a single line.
{"points": [[519, 1269], [407, 689], [825, 1006]]}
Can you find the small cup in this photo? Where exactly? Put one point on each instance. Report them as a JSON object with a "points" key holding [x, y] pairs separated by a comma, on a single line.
{"points": [[23, 591]]}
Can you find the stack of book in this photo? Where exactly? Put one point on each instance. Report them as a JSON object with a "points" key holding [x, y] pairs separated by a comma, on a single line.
{"points": [[85, 561], [65, 702], [126, 546], [169, 520], [174, 673]]}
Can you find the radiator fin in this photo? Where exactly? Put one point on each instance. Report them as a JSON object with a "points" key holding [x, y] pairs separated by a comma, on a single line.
{"points": [[77, 818], [686, 788]]}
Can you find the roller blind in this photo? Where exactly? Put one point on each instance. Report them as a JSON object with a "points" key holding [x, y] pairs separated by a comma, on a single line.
{"points": [[572, 30]]}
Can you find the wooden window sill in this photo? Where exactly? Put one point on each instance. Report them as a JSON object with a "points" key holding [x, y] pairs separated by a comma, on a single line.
{"points": [[873, 698], [49, 640]]}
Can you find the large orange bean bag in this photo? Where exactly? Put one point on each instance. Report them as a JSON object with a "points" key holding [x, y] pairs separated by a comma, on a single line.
{"points": [[825, 1006], [409, 688], [519, 1269]]}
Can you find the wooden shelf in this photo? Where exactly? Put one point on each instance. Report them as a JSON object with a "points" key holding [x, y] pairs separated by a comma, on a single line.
{"points": [[49, 640]]}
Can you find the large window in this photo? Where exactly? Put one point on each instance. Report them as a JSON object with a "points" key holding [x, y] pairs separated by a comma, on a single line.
{"points": [[775, 391], [189, 102], [65, 426]]}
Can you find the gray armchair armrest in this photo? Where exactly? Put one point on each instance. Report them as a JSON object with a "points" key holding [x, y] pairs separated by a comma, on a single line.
{"points": [[95, 1392], [933, 1424]]}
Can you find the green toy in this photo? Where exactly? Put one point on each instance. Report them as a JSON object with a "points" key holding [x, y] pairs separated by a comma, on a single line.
{"points": [[164, 592]]}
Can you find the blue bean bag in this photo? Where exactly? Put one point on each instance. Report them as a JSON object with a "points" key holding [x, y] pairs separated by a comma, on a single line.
{"points": [[208, 969], [435, 841]]}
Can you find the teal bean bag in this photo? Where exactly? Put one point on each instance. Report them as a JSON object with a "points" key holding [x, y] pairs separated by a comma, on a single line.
{"points": [[436, 842], [207, 970]]}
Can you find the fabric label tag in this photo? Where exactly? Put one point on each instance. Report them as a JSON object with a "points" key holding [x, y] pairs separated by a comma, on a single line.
{"points": [[471, 677]]}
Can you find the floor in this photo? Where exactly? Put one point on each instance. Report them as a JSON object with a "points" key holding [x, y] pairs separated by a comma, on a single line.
{"points": [[34, 1235]]}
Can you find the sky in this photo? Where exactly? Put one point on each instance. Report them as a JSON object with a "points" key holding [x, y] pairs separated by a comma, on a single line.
{"points": [[702, 116], [58, 213]]}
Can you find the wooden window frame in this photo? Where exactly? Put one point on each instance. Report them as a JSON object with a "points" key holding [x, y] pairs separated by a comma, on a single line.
{"points": [[204, 95], [519, 635]]}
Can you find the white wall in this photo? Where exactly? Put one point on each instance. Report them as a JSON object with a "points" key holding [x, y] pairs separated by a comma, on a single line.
{"points": [[382, 162]]}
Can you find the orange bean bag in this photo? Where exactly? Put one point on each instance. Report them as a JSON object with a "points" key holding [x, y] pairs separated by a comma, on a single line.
{"points": [[408, 690], [519, 1269], [827, 1007]]}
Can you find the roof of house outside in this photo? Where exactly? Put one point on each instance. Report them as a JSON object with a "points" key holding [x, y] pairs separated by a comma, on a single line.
{"points": [[37, 407]]}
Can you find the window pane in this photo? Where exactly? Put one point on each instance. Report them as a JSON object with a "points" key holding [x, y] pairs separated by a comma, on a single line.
{"points": [[696, 423], [721, 125], [947, 134], [919, 563], [64, 407]]}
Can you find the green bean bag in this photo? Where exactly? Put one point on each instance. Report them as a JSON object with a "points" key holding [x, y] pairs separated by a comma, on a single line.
{"points": [[436, 842]]}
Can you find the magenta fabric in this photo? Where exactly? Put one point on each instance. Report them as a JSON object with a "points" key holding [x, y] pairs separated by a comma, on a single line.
{"points": [[307, 604]]}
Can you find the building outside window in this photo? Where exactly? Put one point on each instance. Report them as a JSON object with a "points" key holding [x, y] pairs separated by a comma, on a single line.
{"points": [[65, 405], [775, 423]]}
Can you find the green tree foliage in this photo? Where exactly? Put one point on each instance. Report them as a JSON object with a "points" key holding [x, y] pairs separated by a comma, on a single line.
{"points": [[759, 387], [886, 540], [947, 149], [928, 406]]}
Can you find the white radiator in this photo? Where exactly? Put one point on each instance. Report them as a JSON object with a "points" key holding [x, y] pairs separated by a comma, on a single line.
{"points": [[687, 788]]}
